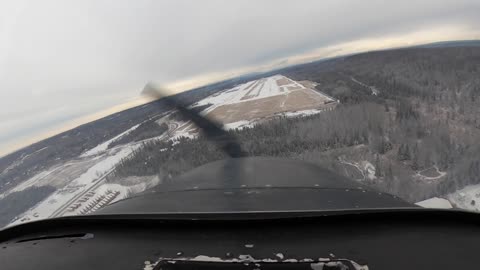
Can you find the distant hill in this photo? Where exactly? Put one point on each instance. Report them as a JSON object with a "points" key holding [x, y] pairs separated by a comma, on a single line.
{"points": [[454, 43]]}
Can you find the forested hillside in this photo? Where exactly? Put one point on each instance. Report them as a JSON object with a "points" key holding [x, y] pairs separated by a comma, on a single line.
{"points": [[408, 123]]}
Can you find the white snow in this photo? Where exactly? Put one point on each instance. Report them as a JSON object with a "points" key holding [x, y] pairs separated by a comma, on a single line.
{"points": [[430, 178], [43, 178], [253, 90], [302, 113], [203, 258], [103, 146], [251, 123], [370, 170], [262, 88], [435, 202], [466, 198], [365, 168], [93, 176], [239, 124], [183, 135], [144, 183], [148, 266]]}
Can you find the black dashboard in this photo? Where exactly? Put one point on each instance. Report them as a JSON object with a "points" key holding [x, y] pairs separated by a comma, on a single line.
{"points": [[377, 239]]}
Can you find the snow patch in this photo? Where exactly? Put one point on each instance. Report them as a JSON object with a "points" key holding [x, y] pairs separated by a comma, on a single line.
{"points": [[435, 202], [302, 113], [239, 125], [370, 170]]}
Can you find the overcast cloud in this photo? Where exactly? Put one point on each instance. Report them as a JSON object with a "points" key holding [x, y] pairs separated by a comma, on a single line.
{"points": [[60, 60]]}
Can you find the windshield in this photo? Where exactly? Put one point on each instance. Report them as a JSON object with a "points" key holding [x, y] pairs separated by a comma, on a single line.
{"points": [[381, 94]]}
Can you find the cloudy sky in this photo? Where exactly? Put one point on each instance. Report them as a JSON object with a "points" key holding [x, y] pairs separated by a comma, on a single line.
{"points": [[62, 61]]}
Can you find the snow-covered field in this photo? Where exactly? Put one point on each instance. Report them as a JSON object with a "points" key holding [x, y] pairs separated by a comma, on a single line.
{"points": [[51, 176], [257, 100], [91, 180], [262, 88], [254, 102]]}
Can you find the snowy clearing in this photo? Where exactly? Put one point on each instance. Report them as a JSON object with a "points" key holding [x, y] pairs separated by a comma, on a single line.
{"points": [[104, 146], [257, 89], [430, 174], [265, 98], [269, 87]]}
